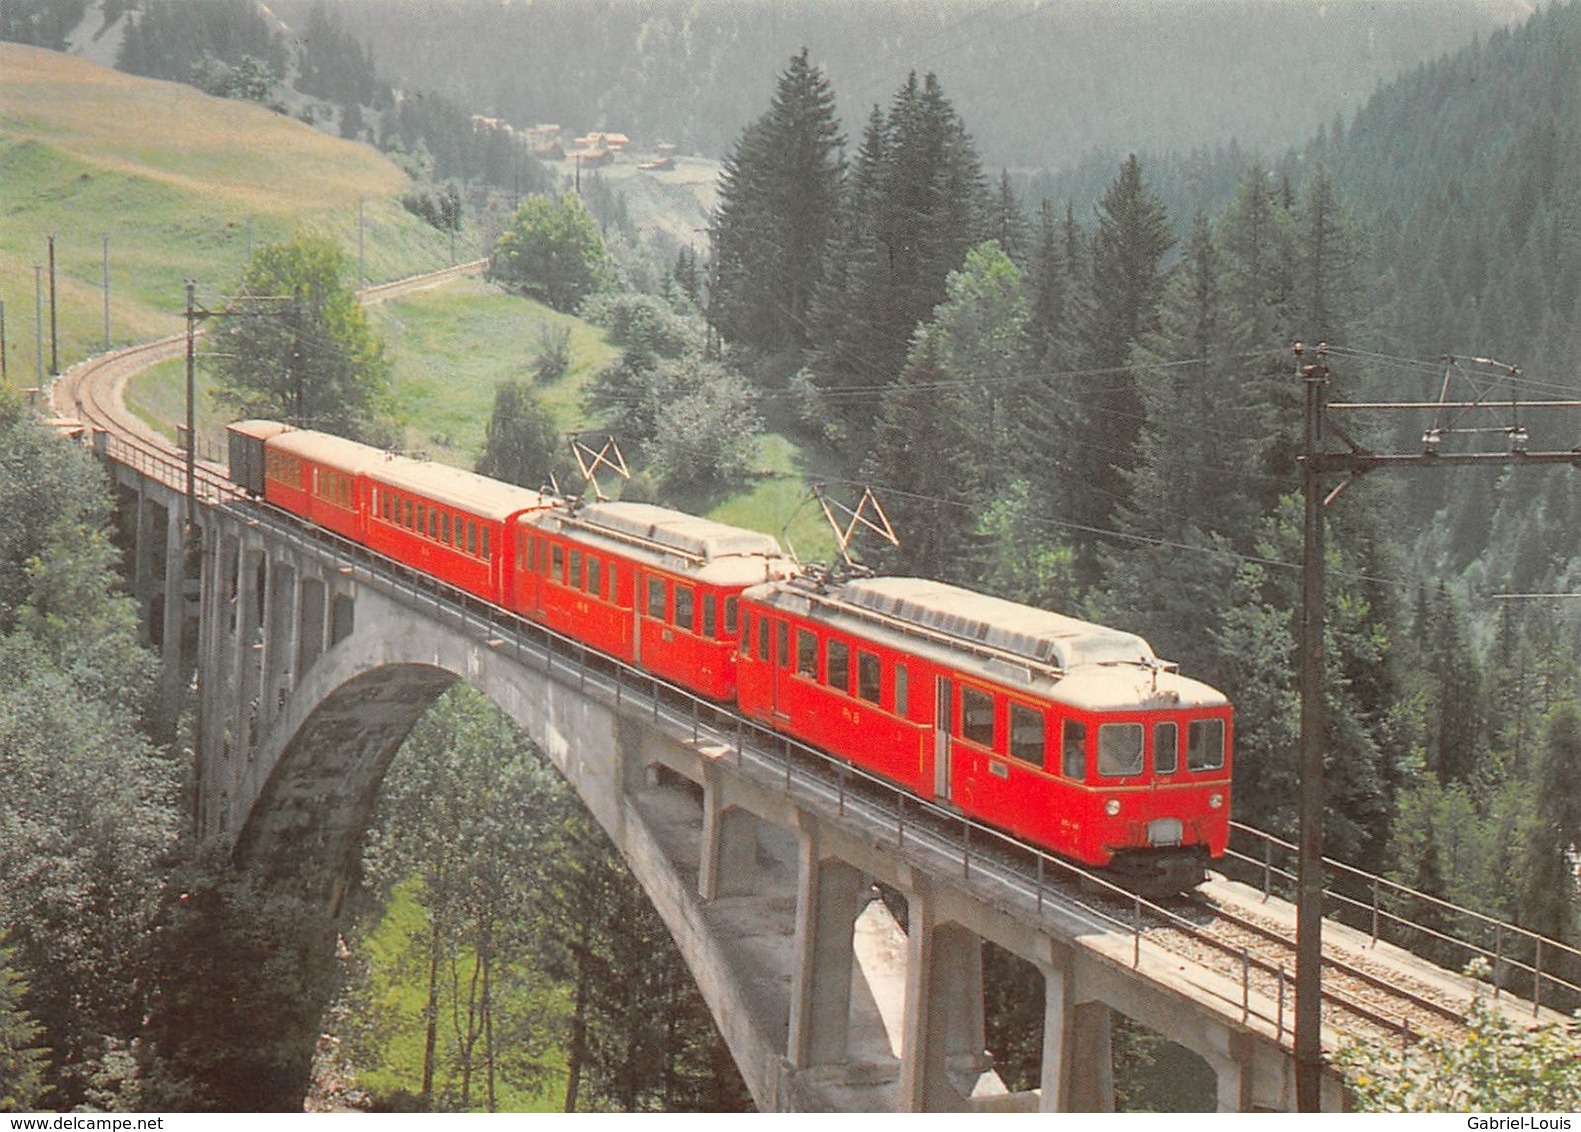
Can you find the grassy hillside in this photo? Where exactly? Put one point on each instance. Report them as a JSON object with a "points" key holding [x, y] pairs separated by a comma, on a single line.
{"points": [[179, 182]]}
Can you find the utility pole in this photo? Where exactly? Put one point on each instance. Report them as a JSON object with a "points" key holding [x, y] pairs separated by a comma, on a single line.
{"points": [[38, 325], [107, 290], [1309, 870], [1318, 463], [192, 424], [54, 337]]}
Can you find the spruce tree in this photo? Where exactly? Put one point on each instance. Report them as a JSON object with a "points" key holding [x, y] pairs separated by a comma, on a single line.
{"points": [[1126, 287], [778, 204]]}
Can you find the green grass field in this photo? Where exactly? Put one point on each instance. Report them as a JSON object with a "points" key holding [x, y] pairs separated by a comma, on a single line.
{"points": [[180, 184]]}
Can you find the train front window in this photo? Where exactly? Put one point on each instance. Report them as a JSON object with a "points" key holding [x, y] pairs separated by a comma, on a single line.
{"points": [[683, 608], [1205, 744], [763, 638], [732, 613], [1166, 748], [656, 601], [1073, 750], [1119, 750], [710, 616], [1026, 734]]}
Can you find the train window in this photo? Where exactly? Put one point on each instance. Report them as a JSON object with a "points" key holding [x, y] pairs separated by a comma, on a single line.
{"points": [[1205, 744], [1026, 734], [744, 645], [868, 673], [472, 537], [610, 578], [595, 583], [433, 523], [1073, 750], [977, 717], [1119, 749], [444, 535], [782, 643], [1166, 748], [422, 518], [683, 608], [806, 654], [839, 666], [732, 614], [557, 563], [656, 598], [574, 579], [710, 616], [763, 638], [902, 691], [483, 550]]}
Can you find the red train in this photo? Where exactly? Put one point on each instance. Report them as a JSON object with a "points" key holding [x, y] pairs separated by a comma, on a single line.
{"points": [[1069, 735]]}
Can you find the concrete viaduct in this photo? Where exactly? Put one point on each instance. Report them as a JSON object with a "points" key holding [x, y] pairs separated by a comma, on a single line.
{"points": [[313, 662]]}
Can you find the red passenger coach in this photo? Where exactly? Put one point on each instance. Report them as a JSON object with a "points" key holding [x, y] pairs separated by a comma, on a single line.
{"points": [[452, 524], [1068, 734], [650, 586], [312, 474]]}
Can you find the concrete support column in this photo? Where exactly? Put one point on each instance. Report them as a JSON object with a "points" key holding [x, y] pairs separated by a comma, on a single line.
{"points": [[175, 582], [1054, 1078], [830, 895], [245, 682], [1091, 1087], [944, 1042], [311, 624], [143, 545], [279, 639], [730, 843], [1232, 1084]]}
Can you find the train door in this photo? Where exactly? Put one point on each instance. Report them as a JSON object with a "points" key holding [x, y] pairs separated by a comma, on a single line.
{"points": [[943, 718], [781, 669]]}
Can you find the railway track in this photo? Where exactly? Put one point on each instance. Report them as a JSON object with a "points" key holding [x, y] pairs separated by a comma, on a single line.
{"points": [[92, 394], [1237, 936]]}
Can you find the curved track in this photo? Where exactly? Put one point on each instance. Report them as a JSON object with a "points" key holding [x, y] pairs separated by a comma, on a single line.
{"points": [[1227, 931]]}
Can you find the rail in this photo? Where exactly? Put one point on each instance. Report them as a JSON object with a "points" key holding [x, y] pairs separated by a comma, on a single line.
{"points": [[1015, 877], [1018, 878], [1504, 945]]}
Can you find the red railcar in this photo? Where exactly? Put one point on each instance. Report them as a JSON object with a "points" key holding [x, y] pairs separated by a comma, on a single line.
{"points": [[647, 585], [454, 525], [1064, 733], [1070, 735]]}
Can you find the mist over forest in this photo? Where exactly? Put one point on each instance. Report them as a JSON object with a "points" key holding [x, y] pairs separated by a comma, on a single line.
{"points": [[1038, 84]]}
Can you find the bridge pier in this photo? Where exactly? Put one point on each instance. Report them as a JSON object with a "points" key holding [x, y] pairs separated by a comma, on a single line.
{"points": [[944, 1048], [830, 896]]}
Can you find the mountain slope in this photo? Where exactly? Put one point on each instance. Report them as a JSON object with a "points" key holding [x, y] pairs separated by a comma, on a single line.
{"points": [[180, 183]]}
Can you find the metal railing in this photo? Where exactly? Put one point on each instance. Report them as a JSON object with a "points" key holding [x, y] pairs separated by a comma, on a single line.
{"points": [[1381, 910]]}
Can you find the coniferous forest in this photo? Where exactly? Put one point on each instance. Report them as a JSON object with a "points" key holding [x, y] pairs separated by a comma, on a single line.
{"points": [[1065, 368]]}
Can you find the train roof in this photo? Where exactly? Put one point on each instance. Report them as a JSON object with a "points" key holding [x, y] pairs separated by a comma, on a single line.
{"points": [[709, 550], [335, 452], [1021, 630], [461, 490], [259, 429], [1086, 666]]}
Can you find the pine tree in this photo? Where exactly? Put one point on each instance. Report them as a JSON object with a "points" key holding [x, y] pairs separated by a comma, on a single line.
{"points": [[778, 202], [1127, 284], [917, 204]]}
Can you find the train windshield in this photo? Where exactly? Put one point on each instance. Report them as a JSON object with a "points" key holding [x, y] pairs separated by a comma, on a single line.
{"points": [[1205, 744], [1119, 750]]}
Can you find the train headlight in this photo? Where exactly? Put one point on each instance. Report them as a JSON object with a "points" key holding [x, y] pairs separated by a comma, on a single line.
{"points": [[1112, 807], [1215, 801]]}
